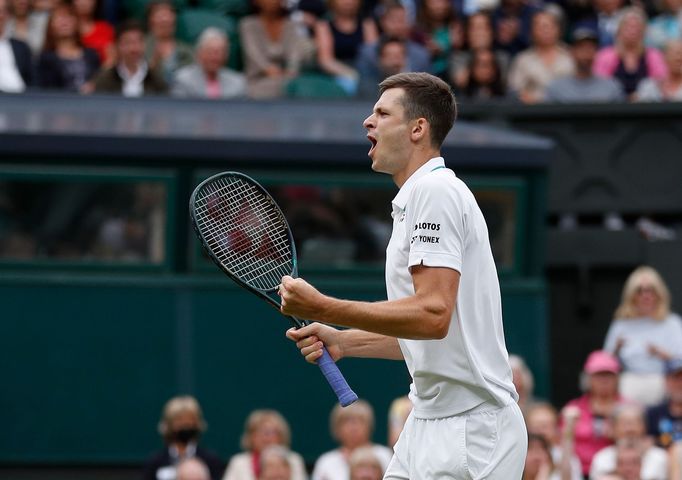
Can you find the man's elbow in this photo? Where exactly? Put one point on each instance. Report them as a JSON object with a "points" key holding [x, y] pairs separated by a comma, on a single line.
{"points": [[439, 323]]}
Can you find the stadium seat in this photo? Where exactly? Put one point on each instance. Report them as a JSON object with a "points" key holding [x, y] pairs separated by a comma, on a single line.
{"points": [[314, 85], [232, 8]]}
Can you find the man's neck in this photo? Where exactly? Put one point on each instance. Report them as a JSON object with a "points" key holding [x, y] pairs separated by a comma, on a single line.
{"points": [[419, 158]]}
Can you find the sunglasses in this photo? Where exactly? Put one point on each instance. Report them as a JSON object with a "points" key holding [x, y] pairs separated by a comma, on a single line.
{"points": [[645, 289]]}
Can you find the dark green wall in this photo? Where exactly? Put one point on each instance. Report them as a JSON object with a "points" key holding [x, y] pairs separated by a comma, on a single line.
{"points": [[88, 361]]}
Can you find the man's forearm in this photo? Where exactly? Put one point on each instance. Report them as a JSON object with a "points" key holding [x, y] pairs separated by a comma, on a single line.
{"points": [[358, 343]]}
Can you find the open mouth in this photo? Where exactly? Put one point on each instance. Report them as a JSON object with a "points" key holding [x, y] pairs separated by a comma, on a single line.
{"points": [[373, 141]]}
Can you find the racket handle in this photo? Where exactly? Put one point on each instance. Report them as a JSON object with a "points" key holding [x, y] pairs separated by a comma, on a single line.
{"points": [[336, 380]]}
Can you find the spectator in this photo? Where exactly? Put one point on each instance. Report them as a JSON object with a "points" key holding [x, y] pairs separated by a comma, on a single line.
{"points": [[523, 381], [131, 76], [164, 53], [478, 35], [583, 85], [181, 426], [629, 61], [208, 78], [670, 87], [512, 22], [364, 465], [542, 420], [394, 24], [397, 416], [595, 408], [95, 33], [352, 428], [392, 60], [339, 40], [664, 421], [644, 334], [273, 49], [665, 26], [27, 25], [65, 64], [606, 19], [532, 70], [629, 460], [263, 429], [485, 78], [192, 469], [15, 59], [539, 465], [275, 463], [629, 426], [676, 461], [440, 31]]}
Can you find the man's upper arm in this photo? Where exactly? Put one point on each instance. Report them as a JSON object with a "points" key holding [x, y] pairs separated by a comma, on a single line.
{"points": [[438, 285]]}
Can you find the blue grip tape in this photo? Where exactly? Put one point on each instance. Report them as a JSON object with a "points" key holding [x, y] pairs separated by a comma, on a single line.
{"points": [[336, 380]]}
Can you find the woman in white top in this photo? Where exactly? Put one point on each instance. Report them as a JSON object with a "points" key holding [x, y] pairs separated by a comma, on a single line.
{"points": [[644, 335], [670, 87], [352, 428], [539, 464], [263, 429]]}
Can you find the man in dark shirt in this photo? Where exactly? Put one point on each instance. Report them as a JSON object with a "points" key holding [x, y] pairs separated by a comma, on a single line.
{"points": [[664, 421]]}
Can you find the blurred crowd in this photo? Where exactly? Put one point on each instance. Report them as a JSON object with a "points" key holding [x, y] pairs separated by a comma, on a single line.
{"points": [[525, 50], [626, 425]]}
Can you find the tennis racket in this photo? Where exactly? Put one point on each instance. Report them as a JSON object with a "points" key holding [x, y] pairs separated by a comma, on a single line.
{"points": [[245, 233]]}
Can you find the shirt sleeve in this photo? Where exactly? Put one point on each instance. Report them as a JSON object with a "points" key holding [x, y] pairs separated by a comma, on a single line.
{"points": [[436, 225]]}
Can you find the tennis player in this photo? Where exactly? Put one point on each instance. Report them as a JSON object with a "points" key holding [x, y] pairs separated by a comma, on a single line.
{"points": [[443, 315]]}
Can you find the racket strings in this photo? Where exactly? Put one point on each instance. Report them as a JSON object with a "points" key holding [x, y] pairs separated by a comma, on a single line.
{"points": [[245, 230]]}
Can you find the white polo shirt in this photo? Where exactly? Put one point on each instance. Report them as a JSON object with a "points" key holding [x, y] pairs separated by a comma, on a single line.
{"points": [[437, 223]]}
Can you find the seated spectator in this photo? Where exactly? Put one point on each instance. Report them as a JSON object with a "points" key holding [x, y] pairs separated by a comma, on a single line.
{"points": [[398, 413], [628, 60], [607, 15], [164, 53], [676, 461], [670, 87], [364, 465], [263, 429], [664, 421], [539, 465], [95, 33], [629, 426], [542, 419], [181, 426], [394, 24], [275, 464], [532, 70], [484, 81], [665, 26], [208, 78], [392, 60], [523, 381], [192, 469], [26, 24], [339, 40], [306, 16], [628, 460], [583, 85], [595, 408], [65, 64], [352, 428], [478, 35], [273, 49], [644, 334], [439, 29], [512, 24], [15, 59], [131, 76]]}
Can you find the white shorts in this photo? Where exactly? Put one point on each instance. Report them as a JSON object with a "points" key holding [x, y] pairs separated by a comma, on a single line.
{"points": [[486, 444]]}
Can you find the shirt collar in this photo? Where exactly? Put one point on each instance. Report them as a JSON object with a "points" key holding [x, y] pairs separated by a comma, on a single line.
{"points": [[400, 200]]}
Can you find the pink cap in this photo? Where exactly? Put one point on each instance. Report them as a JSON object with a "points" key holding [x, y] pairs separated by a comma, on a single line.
{"points": [[601, 361]]}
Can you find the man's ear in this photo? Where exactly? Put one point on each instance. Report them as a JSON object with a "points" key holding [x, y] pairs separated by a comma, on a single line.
{"points": [[420, 129]]}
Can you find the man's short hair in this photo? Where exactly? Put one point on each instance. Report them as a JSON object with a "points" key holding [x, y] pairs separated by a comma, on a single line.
{"points": [[211, 33], [130, 25], [385, 41], [426, 96]]}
